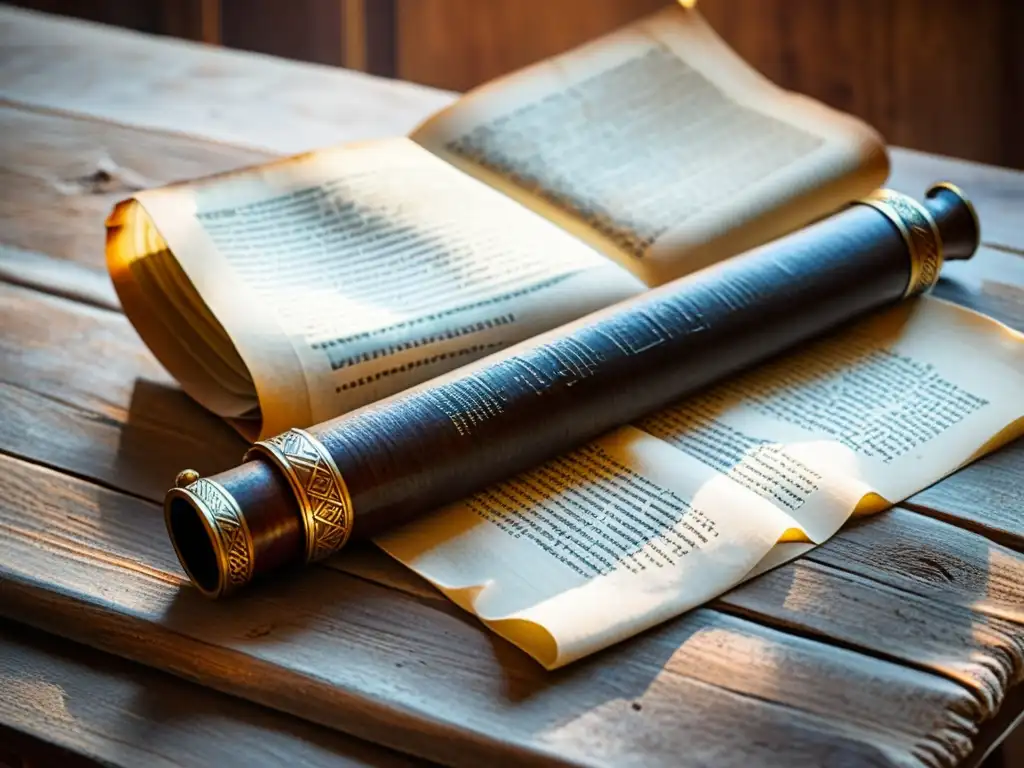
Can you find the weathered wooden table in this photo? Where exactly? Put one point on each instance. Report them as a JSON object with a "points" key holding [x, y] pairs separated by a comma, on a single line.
{"points": [[899, 642]]}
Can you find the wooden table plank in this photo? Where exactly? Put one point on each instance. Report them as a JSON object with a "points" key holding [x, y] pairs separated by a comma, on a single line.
{"points": [[67, 279], [69, 172], [177, 86], [137, 408], [991, 283], [984, 653], [104, 709], [138, 449], [93, 564], [986, 496], [103, 407], [932, 559]]}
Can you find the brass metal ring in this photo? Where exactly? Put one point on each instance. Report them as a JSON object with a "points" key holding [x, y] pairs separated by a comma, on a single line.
{"points": [[920, 233], [318, 486], [229, 537]]}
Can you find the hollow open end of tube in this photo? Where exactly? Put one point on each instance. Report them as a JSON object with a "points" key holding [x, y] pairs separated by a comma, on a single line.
{"points": [[956, 218], [195, 544], [228, 528]]}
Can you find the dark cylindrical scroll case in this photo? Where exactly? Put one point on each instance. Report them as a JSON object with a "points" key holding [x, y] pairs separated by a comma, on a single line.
{"points": [[300, 495]]}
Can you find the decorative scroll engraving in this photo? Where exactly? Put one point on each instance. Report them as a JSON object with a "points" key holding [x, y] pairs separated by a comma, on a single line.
{"points": [[233, 537], [919, 232], [318, 487]]}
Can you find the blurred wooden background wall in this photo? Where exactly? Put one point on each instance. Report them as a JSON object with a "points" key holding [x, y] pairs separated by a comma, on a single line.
{"points": [[940, 75]]}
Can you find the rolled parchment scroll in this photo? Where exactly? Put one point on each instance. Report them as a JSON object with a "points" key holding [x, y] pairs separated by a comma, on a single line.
{"points": [[302, 495]]}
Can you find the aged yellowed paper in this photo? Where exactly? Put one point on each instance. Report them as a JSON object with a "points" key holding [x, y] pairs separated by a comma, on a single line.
{"points": [[660, 147], [338, 278], [656, 518]]}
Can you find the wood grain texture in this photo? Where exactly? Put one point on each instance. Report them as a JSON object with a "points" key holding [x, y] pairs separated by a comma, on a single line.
{"points": [[427, 679], [459, 44], [145, 16], [190, 19], [991, 283], [180, 87], [902, 66], [888, 622], [126, 425], [309, 30], [931, 559], [353, 28], [87, 424], [847, 656], [58, 277], [198, 20], [987, 496], [102, 709], [69, 172], [380, 36]]}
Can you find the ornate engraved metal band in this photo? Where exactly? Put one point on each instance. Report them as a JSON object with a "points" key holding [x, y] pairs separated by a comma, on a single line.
{"points": [[919, 232], [318, 487], [229, 534]]}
